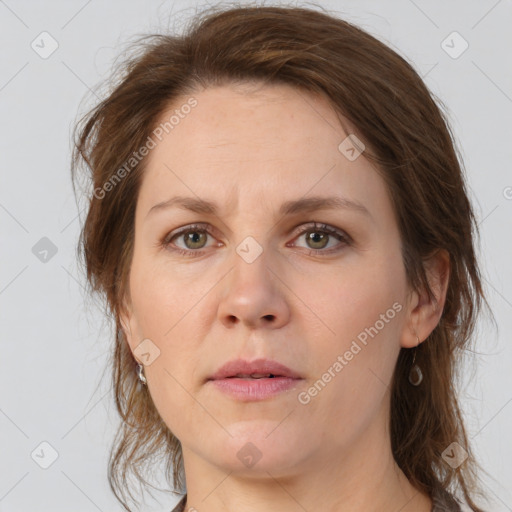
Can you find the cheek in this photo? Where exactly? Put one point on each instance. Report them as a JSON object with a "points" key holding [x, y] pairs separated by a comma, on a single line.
{"points": [[162, 297], [165, 307], [364, 308], [349, 298]]}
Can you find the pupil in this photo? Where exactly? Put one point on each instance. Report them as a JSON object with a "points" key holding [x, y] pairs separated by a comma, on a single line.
{"points": [[316, 237], [194, 237]]}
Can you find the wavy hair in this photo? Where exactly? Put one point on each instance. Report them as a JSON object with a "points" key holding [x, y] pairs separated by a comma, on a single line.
{"points": [[406, 135]]}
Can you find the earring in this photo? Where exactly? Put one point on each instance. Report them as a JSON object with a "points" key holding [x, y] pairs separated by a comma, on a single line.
{"points": [[415, 373], [140, 372]]}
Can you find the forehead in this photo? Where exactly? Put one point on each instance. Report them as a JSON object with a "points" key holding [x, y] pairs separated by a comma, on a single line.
{"points": [[269, 120], [262, 144]]}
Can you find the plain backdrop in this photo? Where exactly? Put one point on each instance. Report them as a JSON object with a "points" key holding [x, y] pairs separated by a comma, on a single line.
{"points": [[56, 409]]}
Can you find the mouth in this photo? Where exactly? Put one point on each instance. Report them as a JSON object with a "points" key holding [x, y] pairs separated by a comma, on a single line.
{"points": [[255, 376], [251, 381], [248, 388], [258, 369]]}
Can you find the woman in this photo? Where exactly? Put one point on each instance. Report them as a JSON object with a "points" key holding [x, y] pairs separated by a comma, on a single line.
{"points": [[280, 226]]}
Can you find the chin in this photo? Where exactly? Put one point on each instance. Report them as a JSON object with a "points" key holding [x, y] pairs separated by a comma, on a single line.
{"points": [[251, 450]]}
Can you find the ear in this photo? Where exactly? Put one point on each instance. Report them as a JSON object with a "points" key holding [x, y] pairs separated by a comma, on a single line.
{"points": [[128, 322], [424, 313]]}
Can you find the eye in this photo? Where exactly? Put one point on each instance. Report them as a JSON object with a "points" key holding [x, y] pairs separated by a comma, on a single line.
{"points": [[318, 237], [195, 237]]}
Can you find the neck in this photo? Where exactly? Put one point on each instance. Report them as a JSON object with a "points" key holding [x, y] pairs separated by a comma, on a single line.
{"points": [[361, 478]]}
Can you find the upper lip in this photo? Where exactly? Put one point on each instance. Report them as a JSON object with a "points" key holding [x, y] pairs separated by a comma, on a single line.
{"points": [[241, 366]]}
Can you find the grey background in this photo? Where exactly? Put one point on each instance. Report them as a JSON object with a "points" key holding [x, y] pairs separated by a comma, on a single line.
{"points": [[55, 341]]}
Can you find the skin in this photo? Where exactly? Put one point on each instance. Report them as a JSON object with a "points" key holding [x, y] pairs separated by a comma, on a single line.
{"points": [[250, 148]]}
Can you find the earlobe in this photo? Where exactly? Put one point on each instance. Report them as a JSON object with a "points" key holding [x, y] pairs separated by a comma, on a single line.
{"points": [[425, 311]]}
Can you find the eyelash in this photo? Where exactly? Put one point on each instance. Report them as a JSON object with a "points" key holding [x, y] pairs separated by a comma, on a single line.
{"points": [[314, 227]]}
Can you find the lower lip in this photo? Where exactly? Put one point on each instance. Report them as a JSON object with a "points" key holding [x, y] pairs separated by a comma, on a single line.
{"points": [[254, 389]]}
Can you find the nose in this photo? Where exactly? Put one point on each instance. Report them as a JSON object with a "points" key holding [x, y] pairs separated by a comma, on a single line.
{"points": [[254, 295]]}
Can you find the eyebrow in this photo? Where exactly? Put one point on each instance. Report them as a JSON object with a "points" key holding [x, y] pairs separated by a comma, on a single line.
{"points": [[288, 208]]}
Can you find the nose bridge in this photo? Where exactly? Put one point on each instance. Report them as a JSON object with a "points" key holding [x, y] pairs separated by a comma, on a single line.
{"points": [[252, 293], [252, 260]]}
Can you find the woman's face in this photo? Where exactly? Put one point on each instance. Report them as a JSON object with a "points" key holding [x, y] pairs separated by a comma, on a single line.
{"points": [[255, 281]]}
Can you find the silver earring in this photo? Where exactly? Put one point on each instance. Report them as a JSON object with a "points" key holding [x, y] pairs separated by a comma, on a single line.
{"points": [[415, 373], [140, 372]]}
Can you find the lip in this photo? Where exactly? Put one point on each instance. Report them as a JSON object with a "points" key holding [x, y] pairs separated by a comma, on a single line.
{"points": [[244, 389], [241, 366]]}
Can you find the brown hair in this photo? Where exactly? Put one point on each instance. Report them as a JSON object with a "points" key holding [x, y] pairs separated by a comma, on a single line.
{"points": [[405, 134]]}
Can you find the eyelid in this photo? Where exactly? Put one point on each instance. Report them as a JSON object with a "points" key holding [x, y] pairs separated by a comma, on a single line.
{"points": [[200, 226], [321, 226], [343, 237]]}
